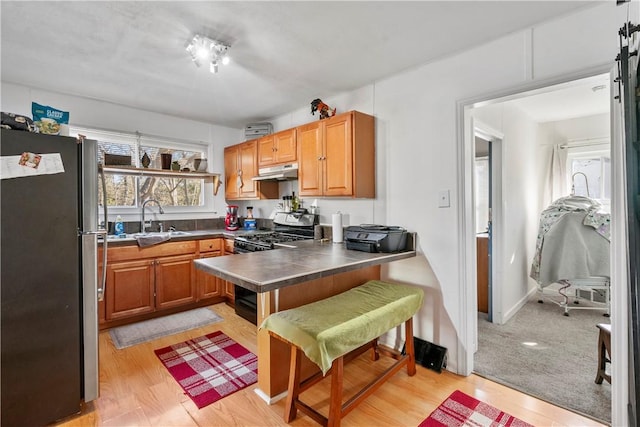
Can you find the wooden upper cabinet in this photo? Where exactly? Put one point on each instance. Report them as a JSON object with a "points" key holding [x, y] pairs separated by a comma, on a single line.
{"points": [[310, 164], [240, 166], [336, 156], [248, 160], [231, 168], [277, 148]]}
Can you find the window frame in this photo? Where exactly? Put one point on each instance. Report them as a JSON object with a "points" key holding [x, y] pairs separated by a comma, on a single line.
{"points": [[600, 150], [138, 139]]}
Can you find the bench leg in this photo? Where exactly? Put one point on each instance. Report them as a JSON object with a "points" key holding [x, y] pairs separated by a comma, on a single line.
{"points": [[375, 353], [290, 409], [335, 406], [411, 364]]}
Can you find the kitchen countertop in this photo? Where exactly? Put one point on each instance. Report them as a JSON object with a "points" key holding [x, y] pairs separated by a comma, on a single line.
{"points": [[305, 260]]}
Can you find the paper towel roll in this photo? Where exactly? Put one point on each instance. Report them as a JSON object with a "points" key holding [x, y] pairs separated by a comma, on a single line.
{"points": [[336, 227]]}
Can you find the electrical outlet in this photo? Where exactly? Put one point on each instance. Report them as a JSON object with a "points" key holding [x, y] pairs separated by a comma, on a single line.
{"points": [[443, 199]]}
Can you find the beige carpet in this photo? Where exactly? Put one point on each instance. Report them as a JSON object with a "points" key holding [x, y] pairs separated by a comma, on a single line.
{"points": [[136, 333], [547, 355]]}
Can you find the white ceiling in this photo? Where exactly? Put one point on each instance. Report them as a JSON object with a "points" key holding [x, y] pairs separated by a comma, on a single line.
{"points": [[580, 98], [284, 54]]}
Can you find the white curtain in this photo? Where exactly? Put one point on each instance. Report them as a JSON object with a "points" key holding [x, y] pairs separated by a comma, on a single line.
{"points": [[556, 180]]}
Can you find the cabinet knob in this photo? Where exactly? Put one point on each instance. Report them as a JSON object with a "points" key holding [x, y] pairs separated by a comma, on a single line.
{"points": [[319, 157]]}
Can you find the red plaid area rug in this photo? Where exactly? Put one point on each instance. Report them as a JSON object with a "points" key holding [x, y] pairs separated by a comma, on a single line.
{"points": [[210, 367], [463, 410]]}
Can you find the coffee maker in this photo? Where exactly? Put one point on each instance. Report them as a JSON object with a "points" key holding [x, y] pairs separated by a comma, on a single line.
{"points": [[231, 220]]}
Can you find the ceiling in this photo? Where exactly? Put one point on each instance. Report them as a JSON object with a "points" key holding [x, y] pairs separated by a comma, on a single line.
{"points": [[580, 98], [284, 54]]}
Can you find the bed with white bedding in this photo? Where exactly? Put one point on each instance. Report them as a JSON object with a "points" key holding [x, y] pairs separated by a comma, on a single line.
{"points": [[572, 253]]}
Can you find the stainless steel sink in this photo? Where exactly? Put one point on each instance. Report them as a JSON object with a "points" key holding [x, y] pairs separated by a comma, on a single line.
{"points": [[133, 236]]}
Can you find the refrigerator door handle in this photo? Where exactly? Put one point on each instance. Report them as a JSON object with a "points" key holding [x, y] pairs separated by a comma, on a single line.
{"points": [[104, 259]]}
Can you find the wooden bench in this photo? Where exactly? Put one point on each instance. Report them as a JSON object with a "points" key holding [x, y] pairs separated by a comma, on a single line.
{"points": [[604, 352], [337, 329]]}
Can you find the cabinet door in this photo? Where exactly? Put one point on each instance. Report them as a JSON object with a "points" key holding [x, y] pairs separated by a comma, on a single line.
{"points": [[266, 151], [228, 247], [249, 167], [338, 163], [175, 281], [310, 162], [208, 284], [129, 289], [231, 168], [285, 147], [229, 291]]}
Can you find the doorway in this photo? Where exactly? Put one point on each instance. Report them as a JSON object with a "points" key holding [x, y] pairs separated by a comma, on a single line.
{"points": [[520, 224]]}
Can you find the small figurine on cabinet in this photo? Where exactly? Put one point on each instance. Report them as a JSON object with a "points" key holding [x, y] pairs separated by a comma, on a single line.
{"points": [[325, 111]]}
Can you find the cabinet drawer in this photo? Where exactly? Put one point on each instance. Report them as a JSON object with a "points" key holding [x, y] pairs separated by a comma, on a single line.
{"points": [[128, 253], [210, 245]]}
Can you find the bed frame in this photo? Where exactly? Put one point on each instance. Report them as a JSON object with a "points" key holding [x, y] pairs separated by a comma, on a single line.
{"points": [[572, 289]]}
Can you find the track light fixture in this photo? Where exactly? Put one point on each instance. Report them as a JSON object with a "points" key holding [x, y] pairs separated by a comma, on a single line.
{"points": [[203, 49]]}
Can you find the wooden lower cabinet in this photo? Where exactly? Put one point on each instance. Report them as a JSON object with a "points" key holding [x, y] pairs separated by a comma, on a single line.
{"points": [[229, 292], [130, 289], [208, 284], [144, 282], [175, 281]]}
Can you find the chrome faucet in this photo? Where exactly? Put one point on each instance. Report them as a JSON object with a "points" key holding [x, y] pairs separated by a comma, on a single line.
{"points": [[143, 224]]}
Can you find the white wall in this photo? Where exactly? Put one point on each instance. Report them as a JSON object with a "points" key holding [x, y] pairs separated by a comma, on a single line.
{"points": [[521, 162], [90, 113]]}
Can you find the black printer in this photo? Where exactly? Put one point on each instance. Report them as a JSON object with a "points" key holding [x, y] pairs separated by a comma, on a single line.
{"points": [[376, 238]]}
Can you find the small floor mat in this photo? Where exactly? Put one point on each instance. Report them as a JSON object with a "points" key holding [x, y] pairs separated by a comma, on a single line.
{"points": [[136, 333], [210, 367], [460, 409]]}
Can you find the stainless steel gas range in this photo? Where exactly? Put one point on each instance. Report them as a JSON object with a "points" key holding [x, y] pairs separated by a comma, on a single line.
{"points": [[288, 227]]}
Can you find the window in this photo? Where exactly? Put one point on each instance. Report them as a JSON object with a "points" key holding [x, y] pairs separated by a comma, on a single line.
{"points": [[589, 171], [126, 192]]}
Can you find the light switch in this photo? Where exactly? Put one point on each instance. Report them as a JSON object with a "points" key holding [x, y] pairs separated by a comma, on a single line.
{"points": [[443, 199]]}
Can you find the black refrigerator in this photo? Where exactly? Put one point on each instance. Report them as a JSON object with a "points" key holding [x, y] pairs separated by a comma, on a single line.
{"points": [[48, 271]]}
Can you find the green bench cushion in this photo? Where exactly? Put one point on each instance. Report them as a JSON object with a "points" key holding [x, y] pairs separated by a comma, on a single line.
{"points": [[332, 327]]}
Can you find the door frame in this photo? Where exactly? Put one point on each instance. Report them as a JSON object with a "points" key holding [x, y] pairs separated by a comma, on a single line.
{"points": [[468, 332]]}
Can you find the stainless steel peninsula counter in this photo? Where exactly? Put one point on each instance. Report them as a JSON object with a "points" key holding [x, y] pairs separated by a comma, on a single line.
{"points": [[305, 272]]}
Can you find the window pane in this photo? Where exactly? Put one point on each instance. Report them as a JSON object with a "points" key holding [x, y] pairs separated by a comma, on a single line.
{"points": [[183, 157], [115, 148], [592, 169], [120, 190], [171, 191]]}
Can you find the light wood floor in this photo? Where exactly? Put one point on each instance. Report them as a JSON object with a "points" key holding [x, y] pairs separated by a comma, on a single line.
{"points": [[136, 390]]}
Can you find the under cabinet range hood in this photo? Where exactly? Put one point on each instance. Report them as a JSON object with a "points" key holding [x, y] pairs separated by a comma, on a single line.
{"points": [[278, 173]]}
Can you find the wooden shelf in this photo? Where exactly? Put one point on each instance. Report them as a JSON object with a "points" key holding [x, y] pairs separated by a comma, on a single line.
{"points": [[124, 170]]}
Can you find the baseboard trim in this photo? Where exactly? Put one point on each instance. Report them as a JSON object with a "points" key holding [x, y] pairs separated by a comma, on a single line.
{"points": [[270, 400], [513, 310]]}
